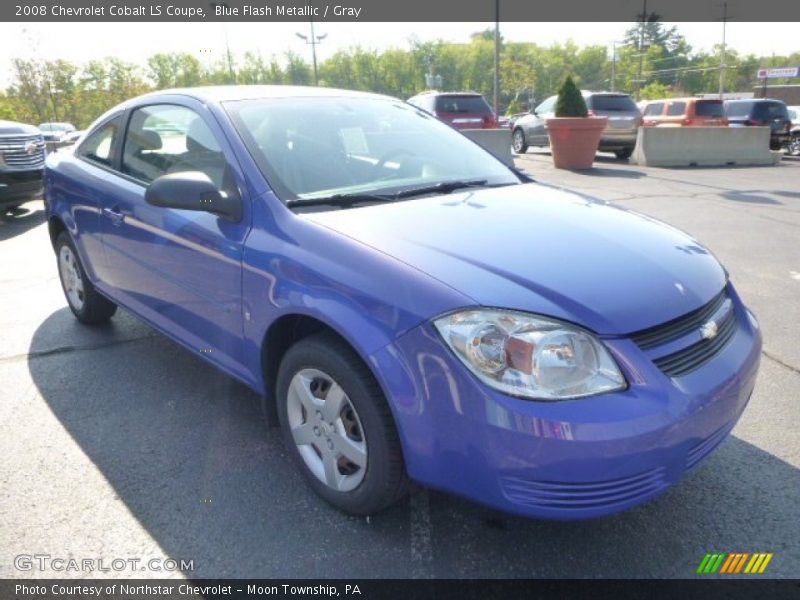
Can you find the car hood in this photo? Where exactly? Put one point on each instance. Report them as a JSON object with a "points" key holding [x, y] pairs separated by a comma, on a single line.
{"points": [[12, 128], [535, 248]]}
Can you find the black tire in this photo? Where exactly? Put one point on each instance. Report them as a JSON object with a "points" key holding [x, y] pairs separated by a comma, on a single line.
{"points": [[384, 480], [95, 308], [623, 154], [518, 141], [794, 145]]}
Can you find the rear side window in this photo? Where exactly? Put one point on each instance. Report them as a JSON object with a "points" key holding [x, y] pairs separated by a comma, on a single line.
{"points": [[676, 109], [462, 104], [771, 110], [654, 109], [98, 147], [738, 109], [167, 138], [621, 103], [709, 108]]}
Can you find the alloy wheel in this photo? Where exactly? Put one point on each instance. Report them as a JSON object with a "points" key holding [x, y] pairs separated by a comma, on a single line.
{"points": [[71, 278]]}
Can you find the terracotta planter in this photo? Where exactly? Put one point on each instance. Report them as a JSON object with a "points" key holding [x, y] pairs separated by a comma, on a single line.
{"points": [[574, 140]]}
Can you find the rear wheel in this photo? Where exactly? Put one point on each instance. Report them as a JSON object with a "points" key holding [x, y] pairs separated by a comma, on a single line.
{"points": [[624, 154], [84, 301], [518, 141], [338, 426]]}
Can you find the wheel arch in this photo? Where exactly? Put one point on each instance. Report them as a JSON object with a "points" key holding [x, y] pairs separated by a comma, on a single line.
{"points": [[282, 334], [54, 227]]}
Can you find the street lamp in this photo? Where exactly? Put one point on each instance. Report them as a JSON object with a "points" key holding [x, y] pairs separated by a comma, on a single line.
{"points": [[313, 40]]}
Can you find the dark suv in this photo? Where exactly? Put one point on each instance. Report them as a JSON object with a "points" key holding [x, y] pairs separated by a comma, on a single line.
{"points": [[21, 164], [764, 113], [462, 110]]}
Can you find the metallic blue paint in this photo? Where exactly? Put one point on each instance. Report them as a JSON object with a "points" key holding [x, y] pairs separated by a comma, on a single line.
{"points": [[378, 275]]}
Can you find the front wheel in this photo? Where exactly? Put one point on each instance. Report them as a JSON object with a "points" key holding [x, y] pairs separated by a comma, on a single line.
{"points": [[84, 301], [794, 145], [624, 154], [518, 141], [338, 426]]}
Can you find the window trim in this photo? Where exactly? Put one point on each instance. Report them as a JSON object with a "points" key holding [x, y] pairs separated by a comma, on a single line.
{"points": [[129, 115], [114, 143]]}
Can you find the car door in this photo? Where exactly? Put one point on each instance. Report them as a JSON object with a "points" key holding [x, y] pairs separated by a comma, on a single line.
{"points": [[536, 133], [179, 269]]}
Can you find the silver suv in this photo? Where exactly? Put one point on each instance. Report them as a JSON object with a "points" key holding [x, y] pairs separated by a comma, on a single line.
{"points": [[618, 137]]}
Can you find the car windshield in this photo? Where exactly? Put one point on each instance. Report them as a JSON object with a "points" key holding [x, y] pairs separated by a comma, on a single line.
{"points": [[53, 127], [709, 108], [619, 103], [462, 104], [313, 148]]}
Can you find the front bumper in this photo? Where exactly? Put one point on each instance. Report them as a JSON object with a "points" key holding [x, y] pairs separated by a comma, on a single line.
{"points": [[570, 459], [20, 186]]}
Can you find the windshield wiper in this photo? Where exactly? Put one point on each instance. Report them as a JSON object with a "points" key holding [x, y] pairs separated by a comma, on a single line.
{"points": [[443, 187], [343, 200]]}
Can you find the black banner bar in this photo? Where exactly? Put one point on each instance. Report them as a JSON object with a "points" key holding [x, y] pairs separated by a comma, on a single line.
{"points": [[442, 589], [443, 11]]}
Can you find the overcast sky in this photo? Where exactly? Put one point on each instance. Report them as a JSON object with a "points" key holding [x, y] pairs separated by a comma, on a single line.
{"points": [[134, 42]]}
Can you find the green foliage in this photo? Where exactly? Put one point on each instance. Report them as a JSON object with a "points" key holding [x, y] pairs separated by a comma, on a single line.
{"points": [[61, 91], [570, 102], [655, 91]]}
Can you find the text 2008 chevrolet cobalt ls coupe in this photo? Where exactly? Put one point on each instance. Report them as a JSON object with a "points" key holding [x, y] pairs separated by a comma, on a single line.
{"points": [[411, 308]]}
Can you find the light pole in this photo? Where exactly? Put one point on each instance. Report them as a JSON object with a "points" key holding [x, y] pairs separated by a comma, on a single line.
{"points": [[496, 52], [641, 52], [313, 40], [722, 54]]}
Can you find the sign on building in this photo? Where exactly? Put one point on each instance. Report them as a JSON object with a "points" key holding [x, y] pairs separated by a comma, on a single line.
{"points": [[778, 73]]}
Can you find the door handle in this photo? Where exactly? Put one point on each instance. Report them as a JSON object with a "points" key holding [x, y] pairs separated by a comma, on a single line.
{"points": [[115, 215]]}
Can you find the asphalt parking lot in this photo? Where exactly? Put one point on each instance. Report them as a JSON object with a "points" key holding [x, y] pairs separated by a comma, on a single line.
{"points": [[116, 443]]}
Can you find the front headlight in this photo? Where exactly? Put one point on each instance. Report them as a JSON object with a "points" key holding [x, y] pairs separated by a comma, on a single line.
{"points": [[530, 356]]}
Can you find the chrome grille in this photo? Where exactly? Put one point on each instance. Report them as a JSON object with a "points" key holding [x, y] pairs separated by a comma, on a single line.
{"points": [[17, 153]]}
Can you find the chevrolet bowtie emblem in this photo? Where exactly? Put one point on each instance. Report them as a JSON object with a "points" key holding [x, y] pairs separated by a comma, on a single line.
{"points": [[709, 330]]}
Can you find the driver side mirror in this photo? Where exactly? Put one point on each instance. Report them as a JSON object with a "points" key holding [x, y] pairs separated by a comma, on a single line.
{"points": [[193, 190]]}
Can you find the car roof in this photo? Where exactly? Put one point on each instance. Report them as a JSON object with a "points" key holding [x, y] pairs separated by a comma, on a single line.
{"points": [[224, 93]]}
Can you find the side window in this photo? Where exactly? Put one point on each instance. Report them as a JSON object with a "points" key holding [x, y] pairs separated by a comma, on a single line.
{"points": [[99, 145], [547, 106], [654, 109], [166, 138], [676, 109]]}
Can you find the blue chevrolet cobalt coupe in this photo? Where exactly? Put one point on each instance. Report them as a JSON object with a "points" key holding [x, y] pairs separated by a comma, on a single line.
{"points": [[408, 307]]}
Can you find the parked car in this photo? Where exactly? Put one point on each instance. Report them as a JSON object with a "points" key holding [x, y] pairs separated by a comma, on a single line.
{"points": [[618, 137], [462, 110], [55, 132], [409, 306], [72, 137], [764, 113], [794, 141], [21, 164], [684, 112]]}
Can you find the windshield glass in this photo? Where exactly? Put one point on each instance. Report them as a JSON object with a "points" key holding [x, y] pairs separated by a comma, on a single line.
{"points": [[462, 104], [318, 147], [620, 103], [53, 127], [709, 108]]}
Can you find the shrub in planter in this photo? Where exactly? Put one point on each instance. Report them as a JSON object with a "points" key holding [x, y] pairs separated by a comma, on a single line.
{"points": [[574, 135]]}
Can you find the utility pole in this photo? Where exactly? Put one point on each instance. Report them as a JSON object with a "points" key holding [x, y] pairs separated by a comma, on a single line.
{"points": [[228, 54], [496, 52], [722, 55], [641, 52], [313, 40], [614, 66]]}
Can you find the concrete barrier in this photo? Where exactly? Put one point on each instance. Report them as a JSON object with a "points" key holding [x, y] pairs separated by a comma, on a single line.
{"points": [[496, 141], [703, 146]]}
